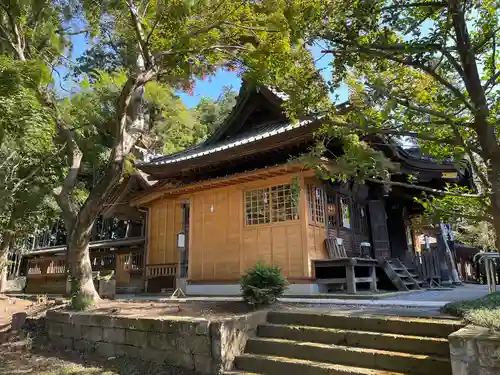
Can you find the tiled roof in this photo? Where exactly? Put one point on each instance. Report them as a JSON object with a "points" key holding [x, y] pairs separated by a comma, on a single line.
{"points": [[249, 137]]}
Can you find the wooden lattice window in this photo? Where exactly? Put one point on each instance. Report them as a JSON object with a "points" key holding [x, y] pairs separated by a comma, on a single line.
{"points": [[257, 206], [270, 205], [361, 219], [284, 205], [332, 210], [316, 203]]}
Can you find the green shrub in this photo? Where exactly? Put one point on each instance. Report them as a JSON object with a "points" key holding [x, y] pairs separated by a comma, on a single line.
{"points": [[484, 311], [81, 303], [263, 284]]}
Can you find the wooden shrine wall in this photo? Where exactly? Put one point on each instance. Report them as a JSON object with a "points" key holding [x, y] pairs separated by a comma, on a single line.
{"points": [[316, 248], [223, 247], [165, 221]]}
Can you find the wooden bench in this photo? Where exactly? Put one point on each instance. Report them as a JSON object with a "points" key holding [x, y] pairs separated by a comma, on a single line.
{"points": [[339, 259]]}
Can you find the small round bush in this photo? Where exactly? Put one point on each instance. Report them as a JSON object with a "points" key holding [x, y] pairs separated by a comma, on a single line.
{"points": [[263, 284]]}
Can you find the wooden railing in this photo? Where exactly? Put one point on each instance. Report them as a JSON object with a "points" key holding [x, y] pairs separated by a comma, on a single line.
{"points": [[134, 262], [156, 270], [56, 267], [34, 269], [46, 267], [103, 262], [426, 264]]}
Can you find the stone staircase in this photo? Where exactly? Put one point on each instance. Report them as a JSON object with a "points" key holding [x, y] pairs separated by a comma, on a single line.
{"points": [[318, 344]]}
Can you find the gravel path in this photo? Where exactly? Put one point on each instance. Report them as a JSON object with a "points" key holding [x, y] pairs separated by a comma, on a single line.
{"points": [[460, 293]]}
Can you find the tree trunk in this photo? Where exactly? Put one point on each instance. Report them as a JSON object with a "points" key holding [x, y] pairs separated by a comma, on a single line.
{"points": [[494, 177], [82, 284], [4, 251], [3, 270]]}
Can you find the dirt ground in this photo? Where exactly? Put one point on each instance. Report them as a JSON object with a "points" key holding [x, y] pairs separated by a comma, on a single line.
{"points": [[9, 306], [209, 310], [28, 352]]}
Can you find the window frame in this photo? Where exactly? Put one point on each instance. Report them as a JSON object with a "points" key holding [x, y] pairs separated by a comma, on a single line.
{"points": [[316, 206], [271, 210]]}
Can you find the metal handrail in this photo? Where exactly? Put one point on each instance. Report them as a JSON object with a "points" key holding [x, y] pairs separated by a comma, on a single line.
{"points": [[489, 260]]}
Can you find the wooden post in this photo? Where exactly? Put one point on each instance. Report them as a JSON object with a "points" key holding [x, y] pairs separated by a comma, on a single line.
{"points": [[373, 275], [350, 279]]}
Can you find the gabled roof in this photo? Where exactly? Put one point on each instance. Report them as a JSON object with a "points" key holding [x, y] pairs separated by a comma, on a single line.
{"points": [[123, 192], [254, 135], [258, 123], [238, 128]]}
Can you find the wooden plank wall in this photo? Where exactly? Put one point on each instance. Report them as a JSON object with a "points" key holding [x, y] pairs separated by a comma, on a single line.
{"points": [[222, 247], [165, 221]]}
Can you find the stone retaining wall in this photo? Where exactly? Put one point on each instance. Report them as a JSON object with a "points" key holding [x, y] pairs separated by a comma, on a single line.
{"points": [[193, 344], [475, 351]]}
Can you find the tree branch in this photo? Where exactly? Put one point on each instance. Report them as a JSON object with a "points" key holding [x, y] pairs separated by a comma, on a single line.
{"points": [[215, 47], [407, 62], [423, 188], [72, 33], [141, 39], [250, 28], [18, 42], [468, 150], [416, 5], [491, 81], [395, 132], [26, 178], [332, 166], [11, 155], [406, 103]]}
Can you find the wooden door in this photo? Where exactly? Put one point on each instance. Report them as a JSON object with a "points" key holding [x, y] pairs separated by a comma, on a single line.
{"points": [[122, 273], [380, 237]]}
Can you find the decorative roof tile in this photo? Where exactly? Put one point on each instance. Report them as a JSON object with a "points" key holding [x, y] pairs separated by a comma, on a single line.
{"points": [[249, 137]]}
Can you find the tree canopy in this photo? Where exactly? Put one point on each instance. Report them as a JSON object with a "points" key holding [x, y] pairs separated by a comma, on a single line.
{"points": [[143, 53], [423, 71]]}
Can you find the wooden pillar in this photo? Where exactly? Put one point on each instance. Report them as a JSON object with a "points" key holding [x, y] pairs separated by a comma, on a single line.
{"points": [[304, 219], [373, 282], [350, 278]]}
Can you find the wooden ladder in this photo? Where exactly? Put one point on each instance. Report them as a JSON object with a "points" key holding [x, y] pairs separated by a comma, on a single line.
{"points": [[402, 277]]}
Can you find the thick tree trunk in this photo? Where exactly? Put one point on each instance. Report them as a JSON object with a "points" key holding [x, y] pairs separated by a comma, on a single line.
{"points": [[3, 270], [82, 284], [4, 251], [490, 149], [494, 177]]}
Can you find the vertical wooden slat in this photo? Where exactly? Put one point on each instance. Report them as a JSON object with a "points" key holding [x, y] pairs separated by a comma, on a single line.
{"points": [[304, 220]]}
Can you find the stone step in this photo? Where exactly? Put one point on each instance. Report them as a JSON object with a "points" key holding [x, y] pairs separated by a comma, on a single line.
{"points": [[439, 328], [272, 365], [350, 356], [354, 338]]}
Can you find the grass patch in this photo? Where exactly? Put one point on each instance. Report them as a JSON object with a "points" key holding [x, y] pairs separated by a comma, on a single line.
{"points": [[484, 311]]}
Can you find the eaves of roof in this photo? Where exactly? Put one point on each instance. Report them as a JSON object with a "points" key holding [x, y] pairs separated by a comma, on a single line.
{"points": [[254, 136], [93, 245]]}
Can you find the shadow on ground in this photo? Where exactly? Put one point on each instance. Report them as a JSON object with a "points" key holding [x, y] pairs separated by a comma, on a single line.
{"points": [[28, 352]]}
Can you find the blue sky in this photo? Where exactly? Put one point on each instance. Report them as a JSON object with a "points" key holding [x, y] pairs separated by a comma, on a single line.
{"points": [[211, 87]]}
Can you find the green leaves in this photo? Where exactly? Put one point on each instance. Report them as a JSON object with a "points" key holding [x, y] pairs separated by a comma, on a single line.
{"points": [[263, 284]]}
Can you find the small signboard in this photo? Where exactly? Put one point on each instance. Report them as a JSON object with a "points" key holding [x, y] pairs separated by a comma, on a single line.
{"points": [[449, 175], [181, 240]]}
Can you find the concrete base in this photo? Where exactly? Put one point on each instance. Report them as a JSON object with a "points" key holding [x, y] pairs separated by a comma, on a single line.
{"points": [[181, 283], [234, 289], [189, 345], [16, 285], [475, 350]]}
